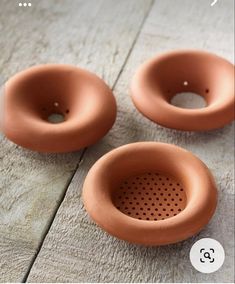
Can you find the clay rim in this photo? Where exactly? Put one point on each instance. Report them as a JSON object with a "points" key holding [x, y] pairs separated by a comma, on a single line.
{"points": [[224, 110], [192, 219], [36, 124]]}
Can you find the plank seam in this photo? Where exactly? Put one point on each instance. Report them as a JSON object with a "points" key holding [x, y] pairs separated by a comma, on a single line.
{"points": [[24, 280], [133, 45]]}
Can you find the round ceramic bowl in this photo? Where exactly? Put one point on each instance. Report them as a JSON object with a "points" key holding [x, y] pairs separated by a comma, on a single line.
{"points": [[150, 193], [158, 80], [85, 103]]}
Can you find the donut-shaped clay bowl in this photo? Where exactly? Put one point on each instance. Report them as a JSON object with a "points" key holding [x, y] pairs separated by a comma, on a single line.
{"points": [[31, 96], [158, 80], [150, 193]]}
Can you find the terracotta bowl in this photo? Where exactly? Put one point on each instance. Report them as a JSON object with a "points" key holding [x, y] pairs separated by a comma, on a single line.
{"points": [[150, 193], [85, 102], [161, 78]]}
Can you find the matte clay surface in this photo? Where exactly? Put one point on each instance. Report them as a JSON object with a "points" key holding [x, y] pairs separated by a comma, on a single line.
{"points": [[153, 193], [84, 101], [98, 38], [158, 80]]}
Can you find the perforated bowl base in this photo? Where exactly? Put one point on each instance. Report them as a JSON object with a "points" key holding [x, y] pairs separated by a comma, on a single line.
{"points": [[150, 196]]}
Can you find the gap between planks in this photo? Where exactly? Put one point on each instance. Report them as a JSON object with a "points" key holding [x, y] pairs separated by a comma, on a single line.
{"points": [[84, 150]]}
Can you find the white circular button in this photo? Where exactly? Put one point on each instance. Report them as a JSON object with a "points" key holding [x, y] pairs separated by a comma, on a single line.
{"points": [[207, 255]]}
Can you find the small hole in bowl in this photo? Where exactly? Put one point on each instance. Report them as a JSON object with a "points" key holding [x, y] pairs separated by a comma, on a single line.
{"points": [[56, 118]]}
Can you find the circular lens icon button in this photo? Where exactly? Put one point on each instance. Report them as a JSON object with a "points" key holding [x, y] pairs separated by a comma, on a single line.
{"points": [[207, 255]]}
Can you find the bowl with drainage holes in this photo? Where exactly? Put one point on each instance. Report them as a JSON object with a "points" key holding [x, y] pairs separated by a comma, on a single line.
{"points": [[56, 108], [150, 193], [159, 83]]}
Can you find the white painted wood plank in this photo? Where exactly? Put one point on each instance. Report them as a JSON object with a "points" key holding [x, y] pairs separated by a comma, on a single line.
{"points": [[95, 34], [76, 250]]}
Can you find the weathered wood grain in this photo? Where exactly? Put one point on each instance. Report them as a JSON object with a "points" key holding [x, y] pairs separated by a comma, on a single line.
{"points": [[95, 34], [75, 249]]}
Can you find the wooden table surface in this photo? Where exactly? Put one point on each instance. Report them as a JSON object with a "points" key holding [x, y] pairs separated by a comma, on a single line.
{"points": [[45, 233]]}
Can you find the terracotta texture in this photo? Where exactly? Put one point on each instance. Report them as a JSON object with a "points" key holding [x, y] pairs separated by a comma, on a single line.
{"points": [[159, 79], [31, 96], [150, 193]]}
